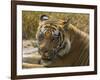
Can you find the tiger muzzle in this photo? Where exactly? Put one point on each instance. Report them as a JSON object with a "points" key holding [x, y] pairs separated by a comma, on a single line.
{"points": [[46, 54]]}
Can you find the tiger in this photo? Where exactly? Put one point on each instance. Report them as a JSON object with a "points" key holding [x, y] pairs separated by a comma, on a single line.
{"points": [[61, 44]]}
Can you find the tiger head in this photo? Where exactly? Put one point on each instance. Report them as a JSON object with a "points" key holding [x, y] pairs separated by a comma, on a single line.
{"points": [[53, 39]]}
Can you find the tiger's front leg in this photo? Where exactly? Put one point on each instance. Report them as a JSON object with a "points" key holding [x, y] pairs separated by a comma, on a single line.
{"points": [[29, 65], [32, 61]]}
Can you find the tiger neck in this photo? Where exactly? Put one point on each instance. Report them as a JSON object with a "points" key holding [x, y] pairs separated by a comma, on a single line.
{"points": [[71, 33], [75, 33], [73, 30], [64, 49]]}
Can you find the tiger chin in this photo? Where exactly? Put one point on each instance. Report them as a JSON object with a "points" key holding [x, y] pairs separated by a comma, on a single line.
{"points": [[61, 44]]}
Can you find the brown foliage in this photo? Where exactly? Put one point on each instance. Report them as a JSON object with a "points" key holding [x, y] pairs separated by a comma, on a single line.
{"points": [[30, 20]]}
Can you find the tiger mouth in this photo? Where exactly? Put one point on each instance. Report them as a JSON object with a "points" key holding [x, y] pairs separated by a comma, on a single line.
{"points": [[46, 59]]}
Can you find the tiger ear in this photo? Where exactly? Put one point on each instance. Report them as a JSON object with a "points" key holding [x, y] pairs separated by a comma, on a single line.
{"points": [[44, 17], [66, 23]]}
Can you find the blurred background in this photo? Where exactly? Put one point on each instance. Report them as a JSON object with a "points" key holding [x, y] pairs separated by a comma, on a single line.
{"points": [[30, 21]]}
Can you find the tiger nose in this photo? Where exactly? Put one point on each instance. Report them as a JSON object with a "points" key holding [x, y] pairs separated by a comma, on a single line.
{"points": [[45, 45]]}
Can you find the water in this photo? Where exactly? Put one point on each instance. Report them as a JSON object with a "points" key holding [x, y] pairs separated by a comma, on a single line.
{"points": [[29, 50]]}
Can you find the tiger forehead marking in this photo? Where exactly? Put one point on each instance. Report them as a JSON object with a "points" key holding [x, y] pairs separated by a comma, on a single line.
{"points": [[48, 34], [50, 30]]}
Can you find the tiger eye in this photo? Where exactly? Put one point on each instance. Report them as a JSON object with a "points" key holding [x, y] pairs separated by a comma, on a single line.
{"points": [[41, 36], [56, 33]]}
